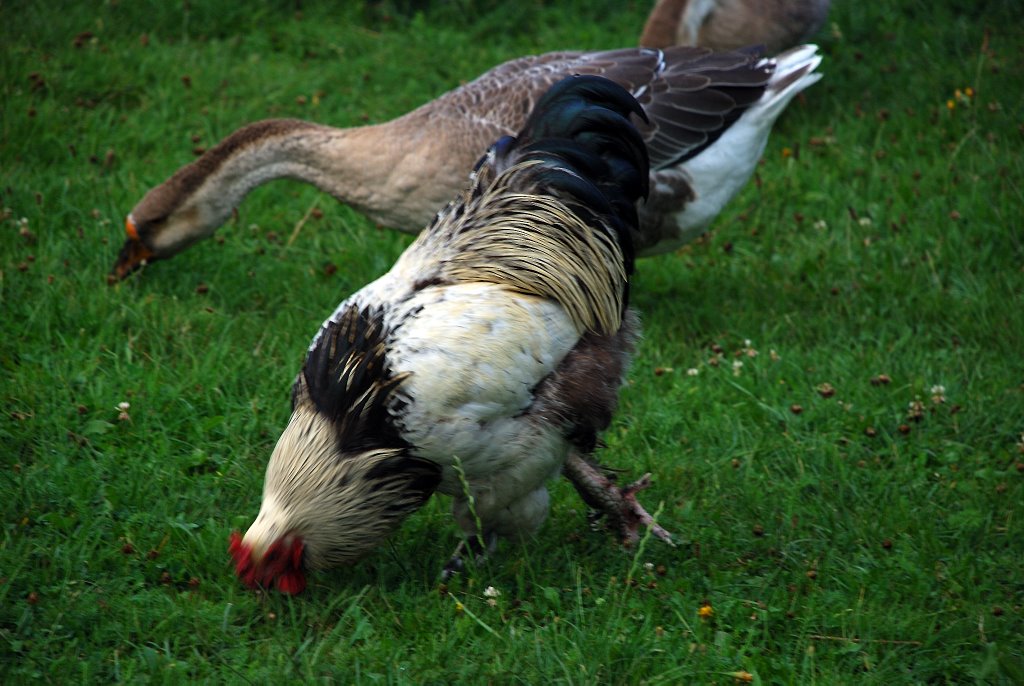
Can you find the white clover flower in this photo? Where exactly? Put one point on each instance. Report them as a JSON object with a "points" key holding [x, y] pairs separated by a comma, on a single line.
{"points": [[938, 390], [491, 592], [649, 566], [123, 406], [821, 225], [692, 371], [865, 221], [737, 365]]}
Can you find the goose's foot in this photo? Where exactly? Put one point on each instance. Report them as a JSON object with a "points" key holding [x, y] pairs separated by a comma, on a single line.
{"points": [[479, 547], [618, 505]]}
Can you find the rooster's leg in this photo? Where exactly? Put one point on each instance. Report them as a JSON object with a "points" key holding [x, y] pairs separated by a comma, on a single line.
{"points": [[478, 547], [619, 505]]}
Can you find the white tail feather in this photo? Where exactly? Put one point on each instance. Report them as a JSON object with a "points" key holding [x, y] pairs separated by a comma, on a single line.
{"points": [[721, 171]]}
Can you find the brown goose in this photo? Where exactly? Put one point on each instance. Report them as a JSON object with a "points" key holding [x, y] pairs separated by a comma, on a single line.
{"points": [[710, 115], [731, 24]]}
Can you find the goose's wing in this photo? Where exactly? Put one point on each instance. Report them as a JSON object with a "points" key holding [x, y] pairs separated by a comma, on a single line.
{"points": [[690, 95]]}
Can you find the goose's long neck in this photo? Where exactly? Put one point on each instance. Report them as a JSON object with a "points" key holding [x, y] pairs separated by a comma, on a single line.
{"points": [[370, 168], [662, 25]]}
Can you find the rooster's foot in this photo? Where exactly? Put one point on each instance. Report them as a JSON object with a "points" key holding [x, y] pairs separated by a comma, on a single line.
{"points": [[479, 547], [618, 505]]}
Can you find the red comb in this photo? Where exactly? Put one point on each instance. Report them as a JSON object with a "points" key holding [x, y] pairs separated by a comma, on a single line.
{"points": [[284, 571], [292, 579], [292, 582], [242, 555]]}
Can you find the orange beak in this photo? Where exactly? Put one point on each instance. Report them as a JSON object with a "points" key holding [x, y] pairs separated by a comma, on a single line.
{"points": [[129, 228], [133, 253]]}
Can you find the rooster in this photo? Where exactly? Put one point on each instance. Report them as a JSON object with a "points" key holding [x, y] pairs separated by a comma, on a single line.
{"points": [[485, 360]]}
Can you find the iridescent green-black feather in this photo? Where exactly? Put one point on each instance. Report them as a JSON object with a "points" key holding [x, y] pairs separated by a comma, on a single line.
{"points": [[591, 152]]}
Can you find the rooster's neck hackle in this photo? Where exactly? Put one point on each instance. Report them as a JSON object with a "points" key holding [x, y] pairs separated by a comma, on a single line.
{"points": [[536, 245], [552, 213]]}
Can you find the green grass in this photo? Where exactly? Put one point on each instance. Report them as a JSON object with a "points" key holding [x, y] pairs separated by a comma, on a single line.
{"points": [[883, 236]]}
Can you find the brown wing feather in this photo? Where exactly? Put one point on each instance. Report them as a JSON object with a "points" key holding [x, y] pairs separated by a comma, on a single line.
{"points": [[691, 95]]}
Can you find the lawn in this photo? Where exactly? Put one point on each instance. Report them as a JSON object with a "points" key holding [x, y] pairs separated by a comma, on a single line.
{"points": [[830, 392]]}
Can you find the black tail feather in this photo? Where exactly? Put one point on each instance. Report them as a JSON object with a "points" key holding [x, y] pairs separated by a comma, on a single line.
{"points": [[580, 130]]}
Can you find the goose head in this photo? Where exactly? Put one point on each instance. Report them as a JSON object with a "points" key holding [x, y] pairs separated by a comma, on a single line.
{"points": [[170, 218]]}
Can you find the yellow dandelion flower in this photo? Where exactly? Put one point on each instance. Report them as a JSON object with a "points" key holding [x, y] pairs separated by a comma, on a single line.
{"points": [[706, 612], [459, 607], [950, 104], [969, 92], [787, 152]]}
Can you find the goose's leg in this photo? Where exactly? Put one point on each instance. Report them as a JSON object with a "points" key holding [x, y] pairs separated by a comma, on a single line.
{"points": [[619, 505]]}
